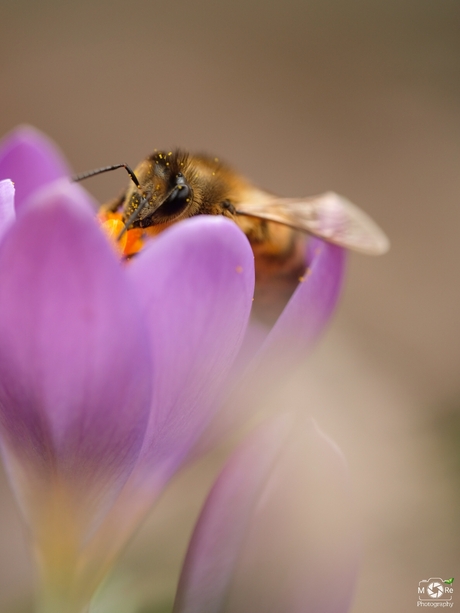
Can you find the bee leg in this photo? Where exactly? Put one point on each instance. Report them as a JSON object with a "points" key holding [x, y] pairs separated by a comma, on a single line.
{"points": [[227, 206]]}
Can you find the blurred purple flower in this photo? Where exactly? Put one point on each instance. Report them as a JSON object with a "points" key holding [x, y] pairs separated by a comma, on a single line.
{"points": [[109, 375], [277, 532], [31, 161]]}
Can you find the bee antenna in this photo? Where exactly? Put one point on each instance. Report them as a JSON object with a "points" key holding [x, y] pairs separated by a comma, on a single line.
{"points": [[135, 215], [134, 179], [99, 171]]}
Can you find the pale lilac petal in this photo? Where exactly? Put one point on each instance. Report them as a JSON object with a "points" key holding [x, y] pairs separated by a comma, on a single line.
{"points": [[196, 285], [271, 356], [74, 357], [31, 160], [277, 532], [220, 531], [309, 309], [7, 214]]}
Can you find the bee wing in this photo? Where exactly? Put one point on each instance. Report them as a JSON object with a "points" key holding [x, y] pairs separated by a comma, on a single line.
{"points": [[328, 216]]}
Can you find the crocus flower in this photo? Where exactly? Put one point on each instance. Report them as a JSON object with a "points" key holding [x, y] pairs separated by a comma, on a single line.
{"points": [[82, 388], [110, 374], [277, 532]]}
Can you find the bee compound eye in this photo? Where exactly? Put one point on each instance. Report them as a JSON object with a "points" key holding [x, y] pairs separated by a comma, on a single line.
{"points": [[179, 193], [178, 199]]}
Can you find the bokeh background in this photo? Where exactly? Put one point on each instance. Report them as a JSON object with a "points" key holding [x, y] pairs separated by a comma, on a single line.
{"points": [[303, 96]]}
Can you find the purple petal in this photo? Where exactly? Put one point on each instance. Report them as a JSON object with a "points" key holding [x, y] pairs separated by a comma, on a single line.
{"points": [[30, 160], [74, 358], [220, 530], [310, 308], [196, 285], [277, 531], [7, 214], [270, 358]]}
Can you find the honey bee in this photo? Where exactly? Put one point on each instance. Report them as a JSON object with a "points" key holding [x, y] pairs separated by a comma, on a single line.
{"points": [[167, 187]]}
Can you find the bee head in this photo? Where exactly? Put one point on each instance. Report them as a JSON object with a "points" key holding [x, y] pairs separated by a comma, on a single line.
{"points": [[165, 194]]}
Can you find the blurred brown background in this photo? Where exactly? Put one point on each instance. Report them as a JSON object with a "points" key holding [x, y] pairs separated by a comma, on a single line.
{"points": [[303, 96]]}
